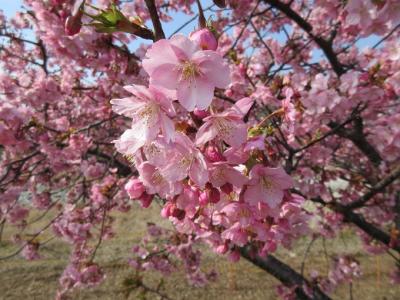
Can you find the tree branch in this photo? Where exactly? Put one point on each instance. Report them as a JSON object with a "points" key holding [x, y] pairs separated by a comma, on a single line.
{"points": [[360, 222], [155, 19], [285, 274], [357, 136], [123, 169], [326, 46], [379, 187]]}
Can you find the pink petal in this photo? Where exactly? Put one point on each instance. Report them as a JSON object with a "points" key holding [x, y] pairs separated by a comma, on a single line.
{"points": [[242, 107], [198, 172], [213, 68], [236, 136], [140, 91], [128, 143], [280, 178], [197, 93], [272, 196], [254, 194], [175, 170], [235, 177], [206, 133], [160, 53], [183, 47], [126, 106], [167, 127], [165, 75]]}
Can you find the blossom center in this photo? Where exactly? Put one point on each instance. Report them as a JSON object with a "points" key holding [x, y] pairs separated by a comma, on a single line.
{"points": [[266, 183], [185, 162], [189, 70], [244, 213], [149, 112], [224, 128], [157, 178]]}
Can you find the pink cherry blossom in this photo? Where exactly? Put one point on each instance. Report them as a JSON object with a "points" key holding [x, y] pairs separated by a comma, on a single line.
{"points": [[155, 181], [204, 38], [134, 188], [186, 160], [180, 65], [236, 234], [267, 185], [222, 173], [227, 126], [149, 109]]}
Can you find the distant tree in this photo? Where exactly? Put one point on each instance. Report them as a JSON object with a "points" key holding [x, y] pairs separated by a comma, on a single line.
{"points": [[268, 116]]}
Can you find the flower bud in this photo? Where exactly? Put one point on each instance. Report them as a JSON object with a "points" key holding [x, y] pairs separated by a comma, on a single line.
{"points": [[205, 39], [212, 153], [222, 249], [134, 188], [73, 24], [145, 200], [203, 198], [234, 256], [227, 188], [178, 213], [201, 114], [214, 195], [209, 195], [167, 210]]}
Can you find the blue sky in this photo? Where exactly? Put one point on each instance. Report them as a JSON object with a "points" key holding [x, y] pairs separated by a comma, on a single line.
{"points": [[10, 7]]}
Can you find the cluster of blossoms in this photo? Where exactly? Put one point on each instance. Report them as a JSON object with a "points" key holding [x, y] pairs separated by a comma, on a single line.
{"points": [[195, 153], [230, 136], [162, 250]]}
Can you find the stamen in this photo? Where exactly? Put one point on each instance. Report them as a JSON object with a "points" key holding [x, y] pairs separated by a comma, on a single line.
{"points": [[148, 112], [224, 128], [157, 178], [266, 183], [189, 71], [185, 162]]}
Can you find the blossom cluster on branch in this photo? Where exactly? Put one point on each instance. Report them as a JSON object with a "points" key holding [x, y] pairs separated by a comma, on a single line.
{"points": [[269, 122]]}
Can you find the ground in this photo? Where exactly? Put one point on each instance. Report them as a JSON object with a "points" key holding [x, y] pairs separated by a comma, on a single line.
{"points": [[20, 279]]}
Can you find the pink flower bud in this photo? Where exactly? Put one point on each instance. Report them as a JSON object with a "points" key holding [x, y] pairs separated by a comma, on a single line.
{"points": [[222, 249], [167, 210], [73, 24], [227, 188], [212, 153], [134, 188], [210, 195], [145, 200], [203, 198], [214, 195], [234, 256], [201, 114], [178, 213], [205, 39]]}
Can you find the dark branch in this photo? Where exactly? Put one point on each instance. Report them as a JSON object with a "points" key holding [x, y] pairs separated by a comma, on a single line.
{"points": [[378, 188], [285, 274], [155, 19], [123, 169], [357, 136], [360, 222], [326, 46]]}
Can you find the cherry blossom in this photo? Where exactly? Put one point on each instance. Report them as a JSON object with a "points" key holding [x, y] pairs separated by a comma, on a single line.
{"points": [[149, 109], [267, 185], [179, 64]]}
